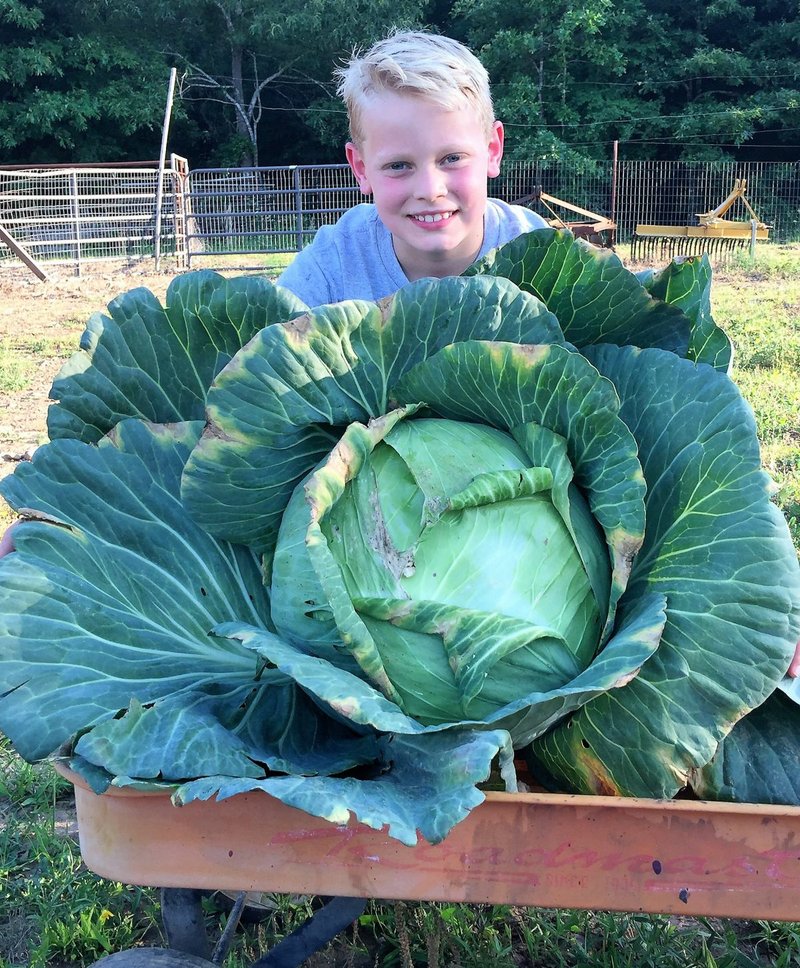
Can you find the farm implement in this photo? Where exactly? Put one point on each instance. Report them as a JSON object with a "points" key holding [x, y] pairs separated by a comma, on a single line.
{"points": [[597, 229], [712, 234]]}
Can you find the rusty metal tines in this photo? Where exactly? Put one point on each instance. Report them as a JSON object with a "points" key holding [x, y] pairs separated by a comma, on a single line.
{"points": [[655, 248]]}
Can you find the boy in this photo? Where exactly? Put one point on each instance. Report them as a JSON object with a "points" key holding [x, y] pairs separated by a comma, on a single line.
{"points": [[424, 140]]}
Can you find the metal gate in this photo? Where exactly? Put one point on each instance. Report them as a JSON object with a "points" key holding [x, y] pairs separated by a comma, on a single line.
{"points": [[234, 211], [78, 214], [238, 211]]}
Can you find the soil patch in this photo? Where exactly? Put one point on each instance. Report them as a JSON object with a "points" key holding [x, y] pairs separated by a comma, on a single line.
{"points": [[40, 327]]}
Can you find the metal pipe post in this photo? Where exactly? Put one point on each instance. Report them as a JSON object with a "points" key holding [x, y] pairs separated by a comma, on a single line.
{"points": [[161, 163]]}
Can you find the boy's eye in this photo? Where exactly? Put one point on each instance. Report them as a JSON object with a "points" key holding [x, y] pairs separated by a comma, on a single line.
{"points": [[397, 166], [453, 158]]}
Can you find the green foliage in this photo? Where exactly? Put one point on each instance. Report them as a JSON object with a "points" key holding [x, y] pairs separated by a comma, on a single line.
{"points": [[469, 936], [782, 459], [777, 400], [409, 934], [762, 328], [73, 89], [760, 301], [384, 666], [274, 63], [15, 369], [540, 58], [52, 910], [686, 77]]}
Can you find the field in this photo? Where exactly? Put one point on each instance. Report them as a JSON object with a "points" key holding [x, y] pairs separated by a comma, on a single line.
{"points": [[55, 913]]}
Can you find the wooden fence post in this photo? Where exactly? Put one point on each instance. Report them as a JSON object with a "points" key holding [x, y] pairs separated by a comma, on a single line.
{"points": [[22, 253]]}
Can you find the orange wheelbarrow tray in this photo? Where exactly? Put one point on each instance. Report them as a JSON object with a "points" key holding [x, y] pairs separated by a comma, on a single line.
{"points": [[528, 849]]}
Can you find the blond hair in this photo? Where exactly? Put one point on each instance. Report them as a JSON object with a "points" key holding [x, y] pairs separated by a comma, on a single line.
{"points": [[418, 63]]}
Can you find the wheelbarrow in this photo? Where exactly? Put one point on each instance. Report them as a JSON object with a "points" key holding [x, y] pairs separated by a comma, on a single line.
{"points": [[683, 857]]}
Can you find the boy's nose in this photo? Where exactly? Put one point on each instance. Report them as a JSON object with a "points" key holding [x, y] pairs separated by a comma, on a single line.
{"points": [[430, 184]]}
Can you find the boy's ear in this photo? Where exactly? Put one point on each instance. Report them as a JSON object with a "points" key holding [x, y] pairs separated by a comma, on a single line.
{"points": [[495, 149], [357, 166]]}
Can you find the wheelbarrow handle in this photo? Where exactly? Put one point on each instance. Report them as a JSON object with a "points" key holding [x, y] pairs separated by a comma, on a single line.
{"points": [[313, 933]]}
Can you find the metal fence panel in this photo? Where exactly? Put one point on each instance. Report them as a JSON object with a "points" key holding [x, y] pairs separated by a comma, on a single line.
{"points": [[235, 211], [83, 214], [279, 209], [588, 186]]}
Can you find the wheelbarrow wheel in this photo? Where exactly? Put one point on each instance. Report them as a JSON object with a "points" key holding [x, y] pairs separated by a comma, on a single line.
{"points": [[152, 958]]}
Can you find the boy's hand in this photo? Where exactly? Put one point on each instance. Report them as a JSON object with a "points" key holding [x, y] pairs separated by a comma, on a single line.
{"points": [[6, 540], [794, 666]]}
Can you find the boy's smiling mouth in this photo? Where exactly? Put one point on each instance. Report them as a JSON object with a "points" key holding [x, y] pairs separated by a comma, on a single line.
{"points": [[432, 217]]}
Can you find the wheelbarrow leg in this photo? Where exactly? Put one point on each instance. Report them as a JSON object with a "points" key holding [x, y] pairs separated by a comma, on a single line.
{"points": [[313, 934], [184, 925]]}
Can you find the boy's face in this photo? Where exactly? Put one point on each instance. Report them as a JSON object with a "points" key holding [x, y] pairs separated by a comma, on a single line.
{"points": [[426, 168]]}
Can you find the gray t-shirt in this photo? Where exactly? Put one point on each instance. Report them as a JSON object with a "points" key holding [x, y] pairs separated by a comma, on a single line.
{"points": [[355, 259]]}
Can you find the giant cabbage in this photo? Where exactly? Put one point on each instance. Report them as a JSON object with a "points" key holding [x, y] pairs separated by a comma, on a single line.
{"points": [[356, 557]]}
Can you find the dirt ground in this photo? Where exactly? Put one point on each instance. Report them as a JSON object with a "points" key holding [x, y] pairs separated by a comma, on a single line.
{"points": [[42, 322], [35, 313]]}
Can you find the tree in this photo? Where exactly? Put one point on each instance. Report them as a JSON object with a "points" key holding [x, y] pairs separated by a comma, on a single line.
{"points": [[81, 82], [72, 90], [734, 78], [275, 58], [537, 53], [670, 79]]}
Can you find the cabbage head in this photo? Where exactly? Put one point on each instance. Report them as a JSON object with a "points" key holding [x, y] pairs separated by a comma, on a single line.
{"points": [[358, 556]]}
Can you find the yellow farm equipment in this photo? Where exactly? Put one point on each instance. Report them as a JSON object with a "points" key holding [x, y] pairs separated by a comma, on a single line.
{"points": [[712, 234], [597, 229]]}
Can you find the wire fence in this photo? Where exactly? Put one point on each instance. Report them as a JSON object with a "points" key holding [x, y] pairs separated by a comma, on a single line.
{"points": [[88, 213], [238, 211], [75, 215], [244, 210]]}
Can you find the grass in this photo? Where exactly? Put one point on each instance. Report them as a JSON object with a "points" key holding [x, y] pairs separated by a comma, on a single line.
{"points": [[54, 913], [271, 264], [52, 910], [15, 369], [758, 303], [7, 517]]}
